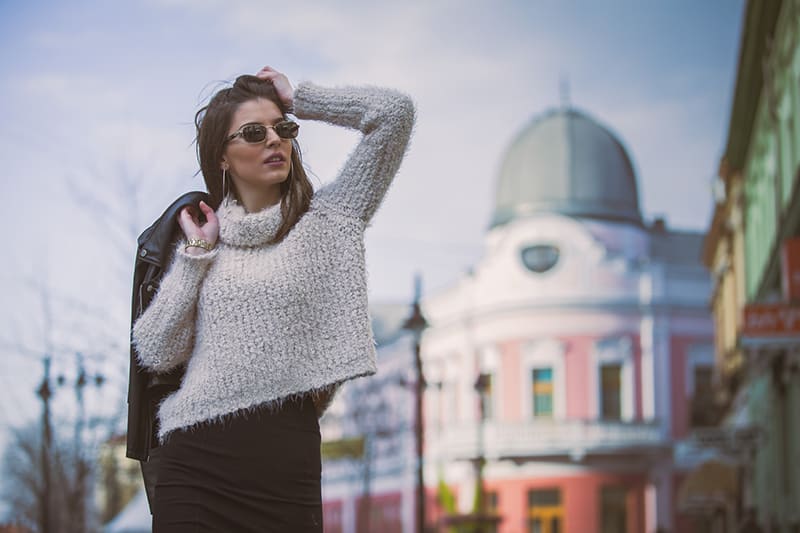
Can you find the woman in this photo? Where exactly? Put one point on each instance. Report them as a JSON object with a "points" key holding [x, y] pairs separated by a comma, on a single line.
{"points": [[266, 305]]}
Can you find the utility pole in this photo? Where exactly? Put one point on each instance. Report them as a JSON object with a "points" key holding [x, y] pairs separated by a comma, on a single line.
{"points": [[416, 323], [49, 515], [44, 393], [81, 468]]}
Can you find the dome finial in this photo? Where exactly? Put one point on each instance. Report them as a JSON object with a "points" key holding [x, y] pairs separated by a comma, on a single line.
{"points": [[563, 89]]}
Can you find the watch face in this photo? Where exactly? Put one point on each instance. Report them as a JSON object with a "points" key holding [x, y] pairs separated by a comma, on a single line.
{"points": [[540, 257]]}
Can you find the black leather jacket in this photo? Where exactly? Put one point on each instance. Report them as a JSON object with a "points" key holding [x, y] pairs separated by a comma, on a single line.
{"points": [[147, 389]]}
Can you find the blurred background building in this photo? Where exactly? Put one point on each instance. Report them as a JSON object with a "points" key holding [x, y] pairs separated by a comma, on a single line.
{"points": [[559, 373], [753, 251], [574, 379]]}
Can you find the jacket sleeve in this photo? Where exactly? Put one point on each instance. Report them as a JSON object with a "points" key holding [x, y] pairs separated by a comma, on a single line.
{"points": [[164, 334], [384, 117]]}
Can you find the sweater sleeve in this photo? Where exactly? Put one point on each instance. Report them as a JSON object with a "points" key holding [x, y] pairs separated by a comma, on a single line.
{"points": [[164, 334], [386, 119]]}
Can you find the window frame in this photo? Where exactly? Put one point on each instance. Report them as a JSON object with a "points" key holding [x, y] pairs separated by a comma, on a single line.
{"points": [[613, 350], [544, 353]]}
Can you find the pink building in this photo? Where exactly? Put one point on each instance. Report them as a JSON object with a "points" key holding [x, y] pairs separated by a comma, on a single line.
{"points": [[590, 331]]}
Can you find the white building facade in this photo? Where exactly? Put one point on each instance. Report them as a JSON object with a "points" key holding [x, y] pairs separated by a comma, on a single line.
{"points": [[590, 332]]}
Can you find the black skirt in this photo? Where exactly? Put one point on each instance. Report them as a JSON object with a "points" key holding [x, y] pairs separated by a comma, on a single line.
{"points": [[253, 471]]}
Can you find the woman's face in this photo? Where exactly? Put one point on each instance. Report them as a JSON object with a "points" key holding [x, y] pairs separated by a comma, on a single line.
{"points": [[258, 169]]}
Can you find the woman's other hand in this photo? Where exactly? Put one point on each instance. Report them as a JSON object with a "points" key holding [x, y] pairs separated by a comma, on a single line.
{"points": [[281, 83], [189, 221]]}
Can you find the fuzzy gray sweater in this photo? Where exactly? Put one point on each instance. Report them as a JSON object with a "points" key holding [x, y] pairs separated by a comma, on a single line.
{"points": [[258, 323]]}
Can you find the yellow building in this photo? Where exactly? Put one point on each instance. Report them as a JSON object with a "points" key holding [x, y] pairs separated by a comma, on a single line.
{"points": [[723, 254]]}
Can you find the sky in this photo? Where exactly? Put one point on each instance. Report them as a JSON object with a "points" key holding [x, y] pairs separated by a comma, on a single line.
{"points": [[97, 100]]}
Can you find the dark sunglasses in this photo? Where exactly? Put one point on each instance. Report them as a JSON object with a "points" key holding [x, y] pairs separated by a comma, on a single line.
{"points": [[257, 133]]}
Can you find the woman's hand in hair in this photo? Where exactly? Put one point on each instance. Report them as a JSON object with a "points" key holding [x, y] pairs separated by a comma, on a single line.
{"points": [[208, 231], [281, 83]]}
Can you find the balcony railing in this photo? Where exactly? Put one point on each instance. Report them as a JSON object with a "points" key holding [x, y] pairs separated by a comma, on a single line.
{"points": [[540, 439]]}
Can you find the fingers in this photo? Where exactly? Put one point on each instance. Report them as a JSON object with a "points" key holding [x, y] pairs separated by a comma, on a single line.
{"points": [[280, 82], [189, 217], [211, 216], [205, 208], [277, 78], [267, 73], [272, 77], [187, 223]]}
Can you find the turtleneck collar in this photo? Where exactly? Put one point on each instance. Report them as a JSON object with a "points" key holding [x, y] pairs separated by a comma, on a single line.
{"points": [[237, 227]]}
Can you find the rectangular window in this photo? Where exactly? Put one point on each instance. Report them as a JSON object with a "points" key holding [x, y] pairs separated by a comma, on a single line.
{"points": [[702, 408], [794, 120], [785, 170], [491, 501], [545, 511], [762, 210], [492, 508], [379, 514], [794, 114], [611, 391], [542, 392], [486, 387], [332, 516], [613, 512]]}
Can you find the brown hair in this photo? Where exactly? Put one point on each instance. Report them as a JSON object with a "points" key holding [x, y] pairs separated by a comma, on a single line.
{"points": [[213, 121]]}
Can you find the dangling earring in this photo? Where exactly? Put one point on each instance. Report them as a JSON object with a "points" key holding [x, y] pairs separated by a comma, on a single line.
{"points": [[295, 148], [224, 186]]}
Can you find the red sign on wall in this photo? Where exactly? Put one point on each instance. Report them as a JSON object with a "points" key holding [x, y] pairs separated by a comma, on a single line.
{"points": [[771, 320]]}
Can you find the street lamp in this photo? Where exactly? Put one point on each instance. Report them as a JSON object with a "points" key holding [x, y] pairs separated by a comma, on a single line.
{"points": [[479, 520], [482, 386], [416, 324]]}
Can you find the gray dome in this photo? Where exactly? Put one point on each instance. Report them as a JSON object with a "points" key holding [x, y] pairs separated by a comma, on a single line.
{"points": [[565, 162]]}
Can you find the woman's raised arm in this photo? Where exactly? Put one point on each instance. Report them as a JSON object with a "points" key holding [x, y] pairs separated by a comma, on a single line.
{"points": [[386, 119]]}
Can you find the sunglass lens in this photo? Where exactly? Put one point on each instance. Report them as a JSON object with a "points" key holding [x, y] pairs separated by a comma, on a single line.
{"points": [[254, 133], [287, 129]]}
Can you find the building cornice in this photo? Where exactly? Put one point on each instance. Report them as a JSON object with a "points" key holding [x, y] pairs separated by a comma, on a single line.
{"points": [[620, 308]]}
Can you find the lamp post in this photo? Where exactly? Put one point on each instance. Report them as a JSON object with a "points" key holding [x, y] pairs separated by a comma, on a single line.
{"points": [[416, 324], [480, 520], [482, 385]]}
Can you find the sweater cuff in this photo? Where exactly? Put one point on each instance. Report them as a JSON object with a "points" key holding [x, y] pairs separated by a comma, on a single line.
{"points": [[189, 270], [303, 97]]}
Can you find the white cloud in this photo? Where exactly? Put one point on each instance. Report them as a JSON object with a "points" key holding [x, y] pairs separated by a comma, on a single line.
{"points": [[478, 72], [55, 90]]}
